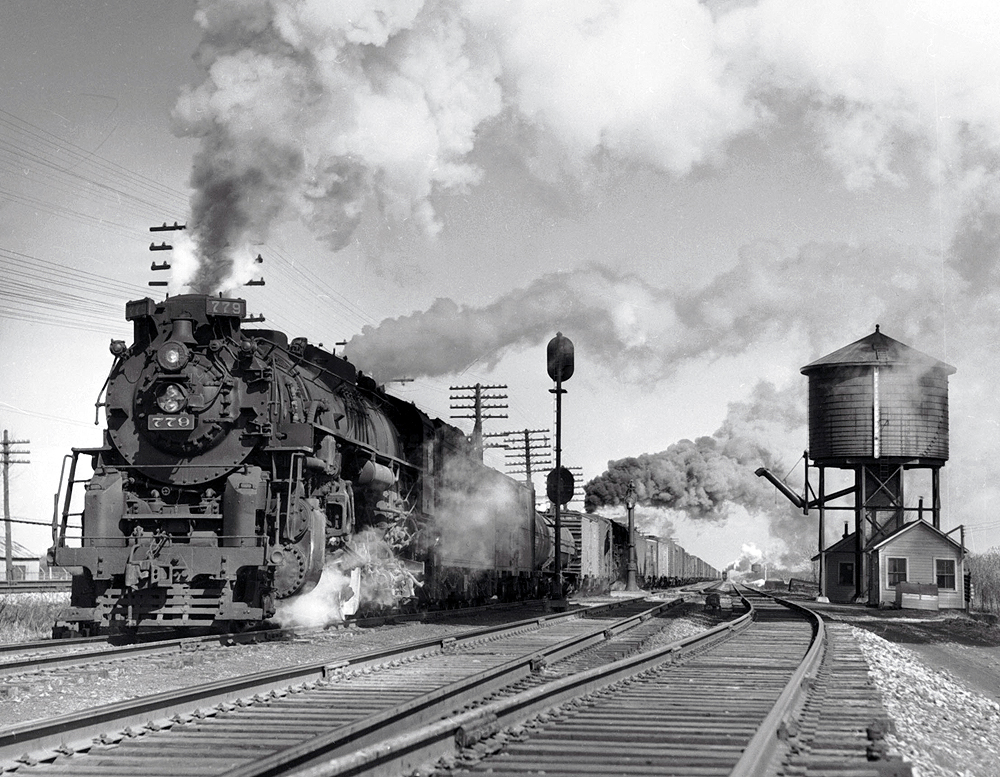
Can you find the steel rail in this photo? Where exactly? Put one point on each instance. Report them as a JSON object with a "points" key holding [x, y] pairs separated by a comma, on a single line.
{"points": [[408, 751], [49, 644], [105, 651], [82, 658], [35, 586], [76, 731], [764, 746], [151, 642], [440, 701]]}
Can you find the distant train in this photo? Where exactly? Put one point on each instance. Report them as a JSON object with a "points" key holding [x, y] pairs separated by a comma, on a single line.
{"points": [[600, 558], [237, 465]]}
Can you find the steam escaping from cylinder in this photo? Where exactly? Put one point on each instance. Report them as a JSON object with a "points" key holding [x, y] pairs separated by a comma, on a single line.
{"points": [[323, 606], [367, 576]]}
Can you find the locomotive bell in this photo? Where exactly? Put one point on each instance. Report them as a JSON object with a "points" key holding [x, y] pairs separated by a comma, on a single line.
{"points": [[182, 330]]}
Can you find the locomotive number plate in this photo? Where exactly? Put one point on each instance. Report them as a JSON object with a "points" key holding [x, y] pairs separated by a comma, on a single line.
{"points": [[179, 422], [225, 307]]}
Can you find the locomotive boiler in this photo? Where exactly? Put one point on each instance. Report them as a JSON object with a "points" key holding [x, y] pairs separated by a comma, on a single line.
{"points": [[236, 465]]}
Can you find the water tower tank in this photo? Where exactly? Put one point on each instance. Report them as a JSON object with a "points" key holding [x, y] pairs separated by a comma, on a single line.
{"points": [[878, 399]]}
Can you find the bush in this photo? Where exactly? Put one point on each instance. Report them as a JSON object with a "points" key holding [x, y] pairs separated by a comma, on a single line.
{"points": [[985, 570], [29, 617]]}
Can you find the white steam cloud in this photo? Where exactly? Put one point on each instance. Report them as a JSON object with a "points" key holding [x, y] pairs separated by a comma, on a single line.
{"points": [[643, 332], [323, 111]]}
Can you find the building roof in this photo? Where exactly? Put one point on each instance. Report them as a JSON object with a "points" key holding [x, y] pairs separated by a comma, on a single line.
{"points": [[846, 544], [911, 526], [17, 549], [877, 349]]}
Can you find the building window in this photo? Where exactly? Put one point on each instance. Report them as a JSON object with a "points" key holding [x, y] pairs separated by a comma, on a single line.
{"points": [[944, 568], [896, 569], [845, 575]]}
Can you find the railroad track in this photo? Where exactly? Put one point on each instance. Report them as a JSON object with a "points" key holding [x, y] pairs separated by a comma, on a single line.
{"points": [[560, 694], [783, 696], [35, 586], [111, 723], [53, 654]]}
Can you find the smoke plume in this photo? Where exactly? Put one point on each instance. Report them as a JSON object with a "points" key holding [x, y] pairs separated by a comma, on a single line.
{"points": [[478, 511], [319, 110], [644, 332], [708, 478], [326, 111]]}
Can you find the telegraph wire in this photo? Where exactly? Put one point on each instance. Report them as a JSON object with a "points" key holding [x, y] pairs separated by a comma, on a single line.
{"points": [[82, 155]]}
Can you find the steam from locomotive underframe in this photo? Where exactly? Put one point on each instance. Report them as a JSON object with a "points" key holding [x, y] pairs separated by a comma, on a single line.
{"points": [[236, 465]]}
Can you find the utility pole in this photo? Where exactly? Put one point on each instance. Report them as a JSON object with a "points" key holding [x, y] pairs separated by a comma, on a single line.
{"points": [[7, 461], [523, 451], [480, 393], [577, 479]]}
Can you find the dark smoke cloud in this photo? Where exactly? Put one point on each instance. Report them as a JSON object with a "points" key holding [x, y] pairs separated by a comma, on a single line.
{"points": [[706, 478]]}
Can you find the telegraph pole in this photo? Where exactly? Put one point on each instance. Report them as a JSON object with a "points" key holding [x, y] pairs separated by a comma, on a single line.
{"points": [[7, 461], [480, 393], [523, 451]]}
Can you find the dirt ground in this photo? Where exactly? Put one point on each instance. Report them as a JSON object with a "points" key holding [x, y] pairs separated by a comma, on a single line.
{"points": [[966, 646]]}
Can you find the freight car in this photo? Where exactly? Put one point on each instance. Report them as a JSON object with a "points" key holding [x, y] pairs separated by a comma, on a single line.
{"points": [[236, 465], [600, 560]]}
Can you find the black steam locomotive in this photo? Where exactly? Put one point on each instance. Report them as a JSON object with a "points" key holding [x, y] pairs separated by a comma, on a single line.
{"points": [[236, 465]]}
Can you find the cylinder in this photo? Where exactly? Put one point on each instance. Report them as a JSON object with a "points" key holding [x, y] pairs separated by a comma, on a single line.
{"points": [[878, 398], [239, 508], [377, 477], [103, 508]]}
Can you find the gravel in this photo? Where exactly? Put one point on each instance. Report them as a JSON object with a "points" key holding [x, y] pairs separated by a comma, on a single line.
{"points": [[35, 696], [943, 728]]}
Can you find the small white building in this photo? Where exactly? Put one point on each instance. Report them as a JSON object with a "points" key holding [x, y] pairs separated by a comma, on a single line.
{"points": [[930, 562], [919, 553]]}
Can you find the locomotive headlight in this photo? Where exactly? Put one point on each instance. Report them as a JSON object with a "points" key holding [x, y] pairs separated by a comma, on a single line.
{"points": [[172, 356], [171, 398]]}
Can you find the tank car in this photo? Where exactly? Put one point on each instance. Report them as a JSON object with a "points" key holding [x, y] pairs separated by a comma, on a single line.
{"points": [[236, 465]]}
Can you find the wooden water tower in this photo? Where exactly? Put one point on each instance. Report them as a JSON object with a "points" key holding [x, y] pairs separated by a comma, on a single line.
{"points": [[879, 409]]}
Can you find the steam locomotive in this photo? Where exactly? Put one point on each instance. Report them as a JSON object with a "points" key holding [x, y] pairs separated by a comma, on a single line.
{"points": [[236, 465]]}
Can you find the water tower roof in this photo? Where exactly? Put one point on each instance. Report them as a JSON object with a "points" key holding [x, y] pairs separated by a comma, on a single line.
{"points": [[874, 350]]}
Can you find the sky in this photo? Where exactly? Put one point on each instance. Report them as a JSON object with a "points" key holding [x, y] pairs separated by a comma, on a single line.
{"points": [[704, 197]]}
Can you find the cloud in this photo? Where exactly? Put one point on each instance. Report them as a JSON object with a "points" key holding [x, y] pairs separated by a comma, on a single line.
{"points": [[644, 332], [324, 112]]}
